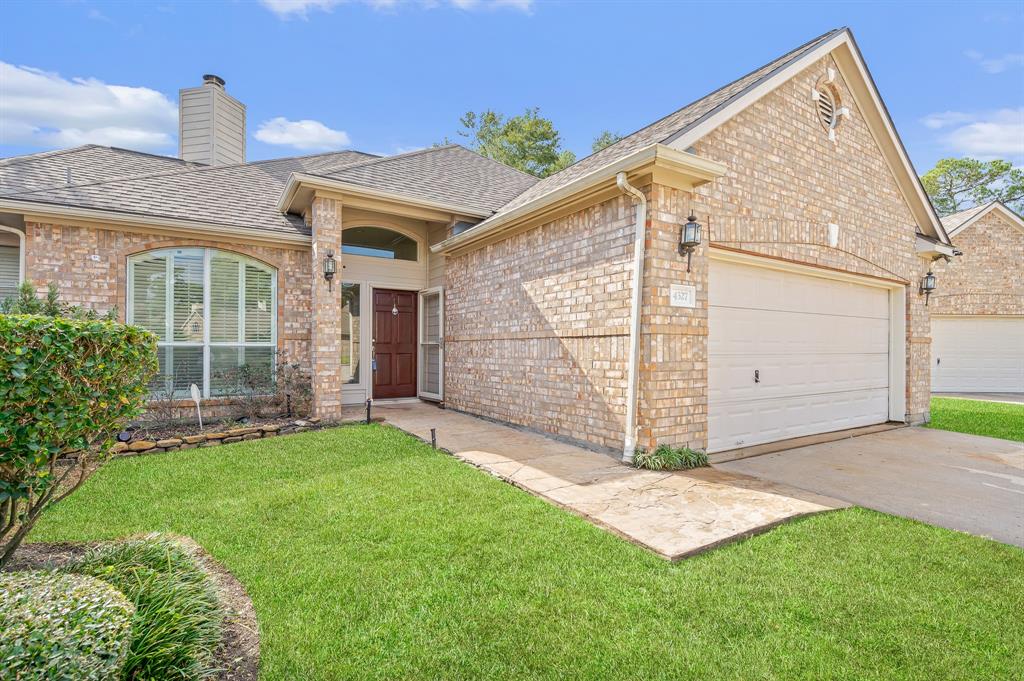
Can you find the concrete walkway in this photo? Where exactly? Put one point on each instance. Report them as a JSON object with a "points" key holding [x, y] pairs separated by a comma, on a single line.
{"points": [[964, 482], [673, 514]]}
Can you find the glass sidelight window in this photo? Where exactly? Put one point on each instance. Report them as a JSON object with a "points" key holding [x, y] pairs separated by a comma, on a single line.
{"points": [[350, 321], [212, 311], [431, 364]]}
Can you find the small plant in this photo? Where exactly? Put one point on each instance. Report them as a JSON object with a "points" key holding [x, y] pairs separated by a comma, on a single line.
{"points": [[62, 626], [65, 385], [177, 622], [294, 387], [27, 301], [667, 458]]}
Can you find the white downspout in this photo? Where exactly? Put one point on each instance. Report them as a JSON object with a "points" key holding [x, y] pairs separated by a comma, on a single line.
{"points": [[633, 370]]}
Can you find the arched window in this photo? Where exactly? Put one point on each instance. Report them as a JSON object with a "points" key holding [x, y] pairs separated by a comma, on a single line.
{"points": [[378, 242], [214, 313]]}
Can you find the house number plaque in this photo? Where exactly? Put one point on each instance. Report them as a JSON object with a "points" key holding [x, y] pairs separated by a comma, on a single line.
{"points": [[682, 295]]}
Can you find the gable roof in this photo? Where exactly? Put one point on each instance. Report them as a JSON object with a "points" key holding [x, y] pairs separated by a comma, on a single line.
{"points": [[450, 173], [84, 164], [686, 126], [958, 222]]}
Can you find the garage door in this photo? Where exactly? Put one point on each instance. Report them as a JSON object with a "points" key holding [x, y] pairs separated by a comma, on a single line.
{"points": [[792, 355], [977, 354]]}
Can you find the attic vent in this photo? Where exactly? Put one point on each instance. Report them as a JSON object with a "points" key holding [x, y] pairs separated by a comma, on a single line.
{"points": [[826, 108]]}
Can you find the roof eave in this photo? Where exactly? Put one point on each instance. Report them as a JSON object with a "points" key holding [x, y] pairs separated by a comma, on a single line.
{"points": [[300, 187], [693, 168], [141, 220], [995, 205]]}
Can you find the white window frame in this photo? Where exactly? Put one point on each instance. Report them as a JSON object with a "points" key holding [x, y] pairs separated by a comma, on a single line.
{"points": [[21, 250], [206, 344], [424, 343]]}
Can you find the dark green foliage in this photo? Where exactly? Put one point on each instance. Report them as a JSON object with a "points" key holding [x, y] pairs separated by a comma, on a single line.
{"points": [[65, 384], [955, 184], [528, 142], [176, 626], [60, 626], [666, 458], [27, 301]]}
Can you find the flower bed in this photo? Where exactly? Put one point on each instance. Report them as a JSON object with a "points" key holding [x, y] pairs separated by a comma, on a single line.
{"points": [[212, 439]]}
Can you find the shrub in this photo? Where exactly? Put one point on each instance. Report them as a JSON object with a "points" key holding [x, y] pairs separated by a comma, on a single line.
{"points": [[61, 626], [65, 385], [26, 301], [666, 458], [176, 626]]}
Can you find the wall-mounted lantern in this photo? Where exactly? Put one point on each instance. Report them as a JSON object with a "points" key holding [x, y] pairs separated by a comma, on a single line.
{"points": [[330, 267], [927, 286], [689, 238]]}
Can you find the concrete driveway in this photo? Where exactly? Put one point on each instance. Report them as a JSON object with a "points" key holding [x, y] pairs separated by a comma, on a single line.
{"points": [[963, 482]]}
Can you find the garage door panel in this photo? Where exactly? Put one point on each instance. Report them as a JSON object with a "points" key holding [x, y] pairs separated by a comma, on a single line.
{"points": [[745, 332], [742, 286], [978, 354], [820, 346]]}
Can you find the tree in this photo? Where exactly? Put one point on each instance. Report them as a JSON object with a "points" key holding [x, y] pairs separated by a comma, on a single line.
{"points": [[955, 184], [528, 142], [605, 139], [67, 385]]}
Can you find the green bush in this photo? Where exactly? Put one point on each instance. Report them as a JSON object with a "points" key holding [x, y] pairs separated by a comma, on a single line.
{"points": [[666, 458], [65, 384], [177, 622], [27, 301], [61, 626]]}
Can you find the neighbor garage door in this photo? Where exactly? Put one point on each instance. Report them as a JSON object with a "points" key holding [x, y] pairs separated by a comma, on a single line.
{"points": [[791, 355], [977, 354]]}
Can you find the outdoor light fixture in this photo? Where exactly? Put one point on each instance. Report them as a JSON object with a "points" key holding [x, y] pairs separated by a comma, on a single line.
{"points": [[927, 285], [330, 267], [689, 238]]}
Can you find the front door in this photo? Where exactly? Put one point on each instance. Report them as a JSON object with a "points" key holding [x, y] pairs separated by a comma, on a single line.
{"points": [[394, 343]]}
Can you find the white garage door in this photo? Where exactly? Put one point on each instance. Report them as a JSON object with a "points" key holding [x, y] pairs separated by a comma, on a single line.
{"points": [[977, 354], [792, 355]]}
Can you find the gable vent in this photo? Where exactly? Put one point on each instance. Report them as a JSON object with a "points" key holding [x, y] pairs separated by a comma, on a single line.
{"points": [[826, 108]]}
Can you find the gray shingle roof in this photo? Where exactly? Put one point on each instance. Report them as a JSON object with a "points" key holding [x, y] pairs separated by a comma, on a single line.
{"points": [[243, 195], [88, 163], [452, 174], [954, 220], [668, 127]]}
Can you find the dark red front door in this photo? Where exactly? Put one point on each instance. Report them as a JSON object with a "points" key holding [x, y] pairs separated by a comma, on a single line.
{"points": [[394, 343]]}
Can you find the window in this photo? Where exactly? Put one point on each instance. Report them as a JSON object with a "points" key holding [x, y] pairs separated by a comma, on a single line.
{"points": [[212, 312], [10, 261], [378, 242], [350, 333]]}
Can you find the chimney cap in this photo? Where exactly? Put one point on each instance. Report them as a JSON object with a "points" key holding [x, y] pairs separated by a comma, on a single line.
{"points": [[211, 79]]}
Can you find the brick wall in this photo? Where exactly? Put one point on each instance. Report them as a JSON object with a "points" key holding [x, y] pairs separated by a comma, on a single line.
{"points": [[325, 345], [90, 266], [988, 278]]}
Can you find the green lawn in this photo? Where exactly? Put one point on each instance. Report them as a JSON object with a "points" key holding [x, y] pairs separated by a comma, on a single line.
{"points": [[995, 419], [370, 555]]}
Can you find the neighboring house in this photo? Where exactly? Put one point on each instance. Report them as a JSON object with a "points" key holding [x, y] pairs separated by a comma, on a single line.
{"points": [[464, 281], [978, 309]]}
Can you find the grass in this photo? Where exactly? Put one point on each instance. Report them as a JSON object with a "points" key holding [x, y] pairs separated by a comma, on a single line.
{"points": [[368, 555], [176, 625], [994, 419]]}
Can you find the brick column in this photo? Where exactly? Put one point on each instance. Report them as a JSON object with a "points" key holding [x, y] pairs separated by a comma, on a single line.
{"points": [[325, 345], [919, 352], [673, 356]]}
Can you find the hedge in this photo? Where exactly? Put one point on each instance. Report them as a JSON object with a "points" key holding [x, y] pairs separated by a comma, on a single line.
{"points": [[65, 384], [62, 626]]}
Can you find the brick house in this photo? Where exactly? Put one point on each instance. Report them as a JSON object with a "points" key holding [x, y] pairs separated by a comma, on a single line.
{"points": [[566, 305], [978, 314]]}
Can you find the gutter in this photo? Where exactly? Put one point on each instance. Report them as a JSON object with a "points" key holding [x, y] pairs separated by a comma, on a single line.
{"points": [[143, 221], [633, 370]]}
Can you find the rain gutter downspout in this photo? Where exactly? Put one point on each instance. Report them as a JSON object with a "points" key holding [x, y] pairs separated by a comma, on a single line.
{"points": [[633, 370]]}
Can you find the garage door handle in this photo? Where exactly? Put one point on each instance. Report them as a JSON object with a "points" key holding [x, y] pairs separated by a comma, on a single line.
{"points": [[757, 375], [938, 361]]}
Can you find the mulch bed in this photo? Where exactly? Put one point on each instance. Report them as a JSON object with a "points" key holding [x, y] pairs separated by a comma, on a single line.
{"points": [[238, 656], [162, 431]]}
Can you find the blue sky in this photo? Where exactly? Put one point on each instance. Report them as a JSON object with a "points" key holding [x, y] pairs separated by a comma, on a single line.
{"points": [[386, 77]]}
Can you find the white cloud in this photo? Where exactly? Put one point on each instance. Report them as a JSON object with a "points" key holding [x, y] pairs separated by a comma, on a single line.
{"points": [[43, 109], [287, 9], [996, 64], [306, 135], [985, 135]]}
